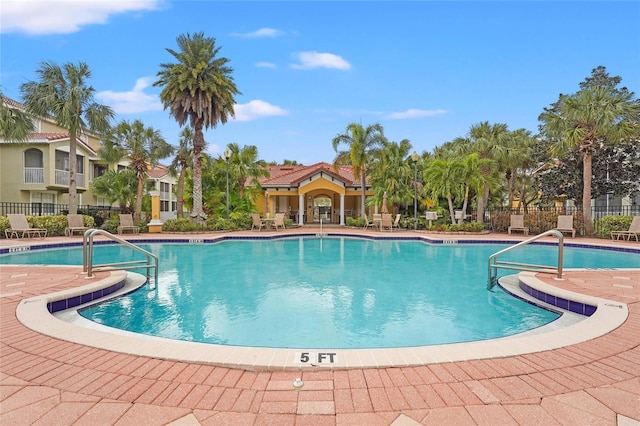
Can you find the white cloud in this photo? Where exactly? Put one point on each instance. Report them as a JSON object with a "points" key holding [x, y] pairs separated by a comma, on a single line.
{"points": [[261, 33], [133, 101], [415, 113], [257, 109], [309, 60], [38, 17], [265, 65]]}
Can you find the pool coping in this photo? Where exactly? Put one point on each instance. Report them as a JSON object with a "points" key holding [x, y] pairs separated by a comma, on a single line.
{"points": [[34, 313]]}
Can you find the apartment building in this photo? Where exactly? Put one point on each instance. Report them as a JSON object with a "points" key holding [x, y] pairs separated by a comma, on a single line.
{"points": [[35, 173]]}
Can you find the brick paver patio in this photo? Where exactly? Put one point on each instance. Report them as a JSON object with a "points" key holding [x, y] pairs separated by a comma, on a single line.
{"points": [[45, 381]]}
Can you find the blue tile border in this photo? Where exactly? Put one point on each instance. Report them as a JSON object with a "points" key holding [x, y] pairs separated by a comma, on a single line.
{"points": [[72, 302], [566, 304], [427, 240]]}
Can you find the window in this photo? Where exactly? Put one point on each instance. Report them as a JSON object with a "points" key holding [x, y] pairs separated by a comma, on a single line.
{"points": [[33, 158]]}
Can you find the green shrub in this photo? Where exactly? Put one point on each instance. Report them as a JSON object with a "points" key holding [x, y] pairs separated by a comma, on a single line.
{"points": [[111, 225], [220, 224], [178, 225], [473, 227], [355, 221], [4, 225], [606, 224]]}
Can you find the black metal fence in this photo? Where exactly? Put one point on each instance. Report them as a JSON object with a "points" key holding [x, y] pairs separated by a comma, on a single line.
{"points": [[50, 209], [542, 219]]}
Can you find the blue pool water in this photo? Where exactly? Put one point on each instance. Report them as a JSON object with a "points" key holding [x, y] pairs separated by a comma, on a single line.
{"points": [[324, 293]]}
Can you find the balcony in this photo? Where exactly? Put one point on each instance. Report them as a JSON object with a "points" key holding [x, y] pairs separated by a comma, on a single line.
{"points": [[62, 179], [33, 175]]}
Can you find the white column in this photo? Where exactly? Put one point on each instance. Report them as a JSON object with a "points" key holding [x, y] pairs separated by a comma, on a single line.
{"points": [[301, 209], [341, 209]]}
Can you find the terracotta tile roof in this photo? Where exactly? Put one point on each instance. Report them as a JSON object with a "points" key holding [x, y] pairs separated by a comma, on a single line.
{"points": [[158, 172], [293, 175], [58, 136]]}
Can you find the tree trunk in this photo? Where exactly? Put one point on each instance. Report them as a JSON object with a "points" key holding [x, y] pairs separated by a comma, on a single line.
{"points": [[180, 194], [586, 192], [73, 168], [452, 213], [363, 190], [197, 213], [138, 210]]}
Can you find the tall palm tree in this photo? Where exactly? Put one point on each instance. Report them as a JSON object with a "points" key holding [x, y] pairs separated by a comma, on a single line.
{"points": [[490, 141], [392, 173], [442, 179], [244, 165], [592, 117], [198, 88], [181, 161], [143, 146], [117, 187], [15, 124], [62, 93], [362, 144]]}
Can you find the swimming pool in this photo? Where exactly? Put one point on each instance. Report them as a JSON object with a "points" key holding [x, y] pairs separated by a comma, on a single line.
{"points": [[392, 293]]}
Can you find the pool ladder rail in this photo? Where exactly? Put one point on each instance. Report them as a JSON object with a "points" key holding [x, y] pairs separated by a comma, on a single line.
{"points": [[150, 261], [495, 263]]}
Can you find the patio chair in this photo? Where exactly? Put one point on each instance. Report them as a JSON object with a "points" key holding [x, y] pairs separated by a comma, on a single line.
{"points": [[256, 222], [386, 221], [396, 222], [565, 224], [517, 224], [279, 221], [126, 224], [634, 231], [75, 223], [20, 228], [368, 224]]}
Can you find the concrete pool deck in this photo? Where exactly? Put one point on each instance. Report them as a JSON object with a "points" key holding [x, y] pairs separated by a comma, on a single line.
{"points": [[44, 380]]}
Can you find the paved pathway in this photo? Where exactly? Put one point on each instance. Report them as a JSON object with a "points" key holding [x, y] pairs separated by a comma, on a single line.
{"points": [[44, 381]]}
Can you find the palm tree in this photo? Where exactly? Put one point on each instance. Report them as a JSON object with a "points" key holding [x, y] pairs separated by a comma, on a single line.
{"points": [[244, 165], [587, 120], [15, 124], [143, 146], [362, 145], [490, 141], [180, 164], [442, 179], [198, 88], [117, 187], [62, 94], [392, 173]]}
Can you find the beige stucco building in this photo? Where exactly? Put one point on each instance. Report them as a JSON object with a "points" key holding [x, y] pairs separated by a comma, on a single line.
{"points": [[37, 172]]}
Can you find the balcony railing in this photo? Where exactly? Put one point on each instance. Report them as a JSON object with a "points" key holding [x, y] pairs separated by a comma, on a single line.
{"points": [[62, 178], [33, 175]]}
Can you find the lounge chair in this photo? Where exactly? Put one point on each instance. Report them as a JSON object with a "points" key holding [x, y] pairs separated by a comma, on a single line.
{"points": [[634, 231], [386, 221], [75, 224], [396, 222], [368, 224], [565, 224], [256, 222], [279, 221], [126, 224], [517, 224], [19, 228]]}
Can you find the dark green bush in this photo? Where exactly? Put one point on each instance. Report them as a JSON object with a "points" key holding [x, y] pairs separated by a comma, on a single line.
{"points": [[355, 221], [606, 224], [178, 225]]}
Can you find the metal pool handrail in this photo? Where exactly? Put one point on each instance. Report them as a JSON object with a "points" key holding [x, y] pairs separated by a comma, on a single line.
{"points": [[494, 263], [151, 261]]}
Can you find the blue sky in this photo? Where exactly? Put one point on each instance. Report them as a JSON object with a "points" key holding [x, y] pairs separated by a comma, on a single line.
{"points": [[426, 71]]}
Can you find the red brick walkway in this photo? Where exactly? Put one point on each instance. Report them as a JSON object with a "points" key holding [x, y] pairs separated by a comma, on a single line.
{"points": [[45, 381]]}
